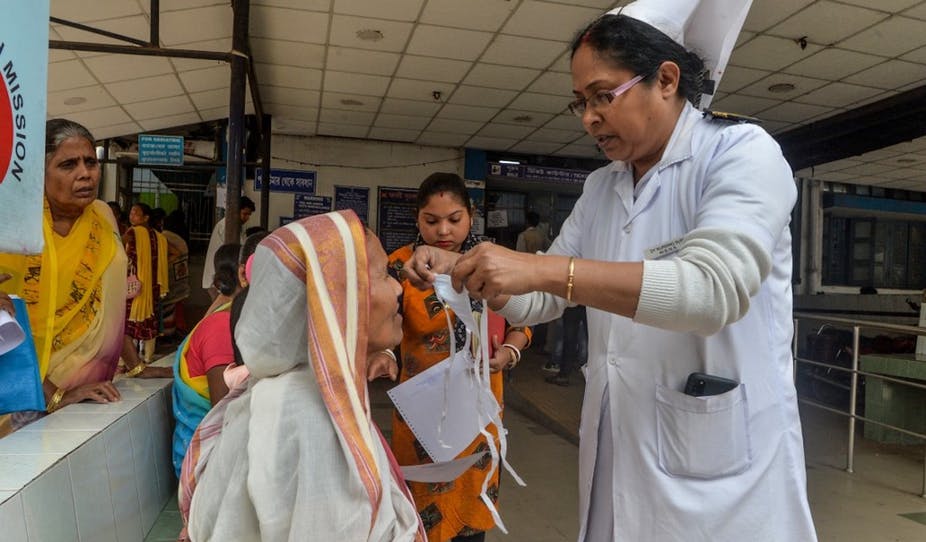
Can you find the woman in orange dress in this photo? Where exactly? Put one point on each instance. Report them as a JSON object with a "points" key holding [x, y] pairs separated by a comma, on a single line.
{"points": [[451, 510]]}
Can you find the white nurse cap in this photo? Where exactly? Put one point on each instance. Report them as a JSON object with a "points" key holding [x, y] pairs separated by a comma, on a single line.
{"points": [[707, 27]]}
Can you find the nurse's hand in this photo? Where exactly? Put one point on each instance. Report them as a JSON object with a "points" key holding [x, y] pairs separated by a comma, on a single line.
{"points": [[489, 270], [427, 262]]}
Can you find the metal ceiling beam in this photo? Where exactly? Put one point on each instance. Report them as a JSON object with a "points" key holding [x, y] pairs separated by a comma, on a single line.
{"points": [[880, 124], [155, 13], [236, 128], [144, 50], [101, 32]]}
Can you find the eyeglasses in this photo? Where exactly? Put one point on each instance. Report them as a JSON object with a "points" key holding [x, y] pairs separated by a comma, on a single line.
{"points": [[601, 98]]}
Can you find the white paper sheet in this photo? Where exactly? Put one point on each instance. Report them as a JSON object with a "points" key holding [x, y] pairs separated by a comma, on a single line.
{"points": [[11, 334], [420, 401], [432, 473]]}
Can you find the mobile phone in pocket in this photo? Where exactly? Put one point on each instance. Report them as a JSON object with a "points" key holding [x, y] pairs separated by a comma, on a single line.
{"points": [[703, 384]]}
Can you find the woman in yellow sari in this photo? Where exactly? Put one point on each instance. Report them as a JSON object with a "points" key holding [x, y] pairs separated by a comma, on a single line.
{"points": [[75, 289]]}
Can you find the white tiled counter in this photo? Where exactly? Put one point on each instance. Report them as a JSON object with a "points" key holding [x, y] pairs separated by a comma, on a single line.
{"points": [[99, 472]]}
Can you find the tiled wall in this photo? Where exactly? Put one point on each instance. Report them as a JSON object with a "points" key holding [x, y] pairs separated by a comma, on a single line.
{"points": [[90, 472]]}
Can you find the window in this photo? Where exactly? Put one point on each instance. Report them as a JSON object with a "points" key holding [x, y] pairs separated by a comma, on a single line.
{"points": [[874, 252]]}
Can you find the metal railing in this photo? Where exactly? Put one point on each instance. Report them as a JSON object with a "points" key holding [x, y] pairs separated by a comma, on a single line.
{"points": [[853, 371]]}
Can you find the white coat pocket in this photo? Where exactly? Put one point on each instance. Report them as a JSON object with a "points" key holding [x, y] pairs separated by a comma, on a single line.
{"points": [[702, 437]]}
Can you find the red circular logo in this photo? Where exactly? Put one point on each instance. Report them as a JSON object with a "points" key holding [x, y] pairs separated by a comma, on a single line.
{"points": [[6, 130]]}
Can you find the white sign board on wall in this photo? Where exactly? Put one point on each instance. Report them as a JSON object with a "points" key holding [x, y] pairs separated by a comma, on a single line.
{"points": [[23, 74]]}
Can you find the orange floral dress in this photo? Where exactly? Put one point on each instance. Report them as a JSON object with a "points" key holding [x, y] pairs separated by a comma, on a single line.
{"points": [[453, 508]]}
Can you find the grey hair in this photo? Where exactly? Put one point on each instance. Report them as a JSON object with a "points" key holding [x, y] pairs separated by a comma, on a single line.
{"points": [[58, 130]]}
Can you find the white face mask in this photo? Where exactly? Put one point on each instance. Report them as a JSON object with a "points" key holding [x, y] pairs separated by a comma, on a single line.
{"points": [[458, 301]]}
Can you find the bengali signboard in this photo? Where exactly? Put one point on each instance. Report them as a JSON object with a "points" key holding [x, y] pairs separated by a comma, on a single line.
{"points": [[287, 180], [160, 150], [356, 198], [537, 173], [308, 205], [396, 212], [23, 75]]}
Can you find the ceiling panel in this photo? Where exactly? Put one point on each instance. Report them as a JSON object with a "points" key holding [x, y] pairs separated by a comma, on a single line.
{"points": [[549, 21], [414, 108], [67, 102], [156, 108], [442, 139], [496, 76], [412, 89], [289, 24], [344, 32], [207, 23], [764, 14], [892, 37], [393, 134], [148, 88], [431, 40], [890, 75], [69, 74], [102, 9], [289, 53], [289, 96], [554, 83], [526, 52], [471, 14], [466, 95], [350, 102], [385, 120], [399, 10], [170, 121], [826, 22], [199, 80], [111, 68], [838, 95], [369, 85], [433, 69], [468, 112], [771, 53], [344, 59]]}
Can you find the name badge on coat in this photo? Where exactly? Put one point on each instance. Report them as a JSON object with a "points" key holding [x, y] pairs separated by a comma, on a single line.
{"points": [[660, 251]]}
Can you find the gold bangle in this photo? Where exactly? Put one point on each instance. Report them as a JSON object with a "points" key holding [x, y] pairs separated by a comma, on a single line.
{"points": [[56, 398], [571, 278], [137, 370]]}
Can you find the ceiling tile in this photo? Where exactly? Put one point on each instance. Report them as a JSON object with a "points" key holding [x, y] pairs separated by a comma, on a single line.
{"points": [[917, 55], [833, 64], [186, 64], [180, 5], [59, 55], [802, 85], [288, 53], [551, 135], [307, 114], [737, 77], [171, 121], [335, 100], [415, 108], [448, 42], [347, 117], [95, 97], [743, 105], [214, 113], [918, 11], [889, 75], [467, 112], [825, 22], [208, 23], [837, 165], [565, 122], [472, 14], [891, 6], [794, 112], [770, 53], [344, 30], [482, 96], [398, 10], [553, 83], [69, 74], [491, 143], [527, 52], [355, 83], [149, 88], [385, 120], [744, 37], [602, 5], [774, 126], [293, 127], [563, 63], [393, 134], [289, 76], [764, 14], [838, 95], [495, 76], [892, 37], [900, 173], [107, 116], [102, 9], [586, 150], [281, 24], [313, 5], [342, 130], [111, 68], [506, 131], [156, 108], [523, 118], [116, 130], [441, 139], [455, 126], [536, 147], [545, 103], [411, 89], [873, 98], [289, 96], [135, 27], [550, 21], [362, 61], [432, 68], [199, 80], [870, 169], [210, 99]]}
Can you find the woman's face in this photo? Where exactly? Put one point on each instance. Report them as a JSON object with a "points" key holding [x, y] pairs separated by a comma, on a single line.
{"points": [[444, 222], [72, 176], [137, 216], [622, 128], [385, 327]]}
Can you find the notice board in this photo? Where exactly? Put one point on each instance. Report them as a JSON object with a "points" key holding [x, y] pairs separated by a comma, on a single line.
{"points": [[396, 212]]}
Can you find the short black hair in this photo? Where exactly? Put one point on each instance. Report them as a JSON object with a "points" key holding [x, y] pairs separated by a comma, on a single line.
{"points": [[250, 245], [533, 219], [436, 183], [640, 48], [247, 203], [145, 208], [225, 279]]}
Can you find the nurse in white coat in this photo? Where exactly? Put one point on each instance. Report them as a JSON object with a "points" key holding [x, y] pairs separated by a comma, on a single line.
{"points": [[681, 250]]}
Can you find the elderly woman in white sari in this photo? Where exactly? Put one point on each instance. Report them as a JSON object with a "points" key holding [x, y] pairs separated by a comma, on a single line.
{"points": [[295, 455]]}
